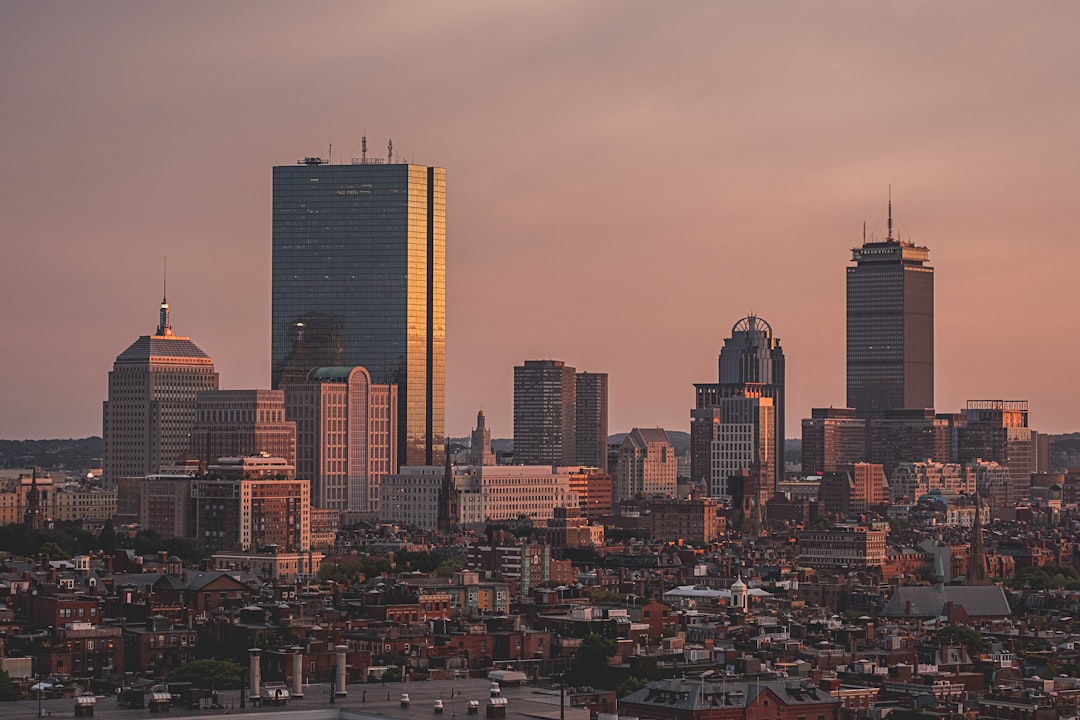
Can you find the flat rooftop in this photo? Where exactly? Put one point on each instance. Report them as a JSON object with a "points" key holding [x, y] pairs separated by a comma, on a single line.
{"points": [[365, 701]]}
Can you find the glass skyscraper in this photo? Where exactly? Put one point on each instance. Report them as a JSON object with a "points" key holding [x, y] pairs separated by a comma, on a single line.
{"points": [[359, 278]]}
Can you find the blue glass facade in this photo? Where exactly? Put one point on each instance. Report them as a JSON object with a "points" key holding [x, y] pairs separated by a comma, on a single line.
{"points": [[359, 278]]}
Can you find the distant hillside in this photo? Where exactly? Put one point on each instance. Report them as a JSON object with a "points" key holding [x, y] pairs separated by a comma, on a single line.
{"points": [[793, 450], [83, 454]]}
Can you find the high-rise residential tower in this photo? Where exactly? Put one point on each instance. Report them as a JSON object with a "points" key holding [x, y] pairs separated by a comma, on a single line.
{"points": [[751, 365], [545, 413], [890, 327], [592, 419], [646, 465], [359, 278], [150, 413]]}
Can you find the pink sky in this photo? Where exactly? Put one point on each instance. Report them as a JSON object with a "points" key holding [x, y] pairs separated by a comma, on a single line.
{"points": [[625, 181]]}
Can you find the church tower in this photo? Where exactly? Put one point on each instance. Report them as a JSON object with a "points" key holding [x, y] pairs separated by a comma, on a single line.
{"points": [[976, 572]]}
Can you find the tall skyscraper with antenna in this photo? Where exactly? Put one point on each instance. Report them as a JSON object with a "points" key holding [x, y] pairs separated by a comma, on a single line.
{"points": [[359, 279], [150, 413], [890, 326]]}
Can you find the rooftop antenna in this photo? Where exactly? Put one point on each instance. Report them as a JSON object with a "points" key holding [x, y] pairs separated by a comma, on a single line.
{"points": [[890, 237], [864, 232], [363, 148], [164, 324], [390, 152], [330, 154]]}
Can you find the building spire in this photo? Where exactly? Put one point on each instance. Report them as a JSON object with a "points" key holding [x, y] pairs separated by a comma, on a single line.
{"points": [[164, 323], [976, 572], [890, 237], [34, 517]]}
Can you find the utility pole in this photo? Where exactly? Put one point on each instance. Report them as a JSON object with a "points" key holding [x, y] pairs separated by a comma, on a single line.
{"points": [[562, 696]]}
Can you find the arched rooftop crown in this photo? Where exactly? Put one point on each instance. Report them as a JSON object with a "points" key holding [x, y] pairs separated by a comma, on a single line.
{"points": [[752, 323]]}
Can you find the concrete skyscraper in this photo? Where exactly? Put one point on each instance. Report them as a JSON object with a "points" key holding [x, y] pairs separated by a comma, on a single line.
{"points": [[592, 419], [359, 279], [751, 365], [890, 327], [150, 413], [545, 413]]}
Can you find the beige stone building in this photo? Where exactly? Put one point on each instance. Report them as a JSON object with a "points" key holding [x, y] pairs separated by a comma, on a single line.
{"points": [[485, 493], [150, 412], [646, 465], [346, 436]]}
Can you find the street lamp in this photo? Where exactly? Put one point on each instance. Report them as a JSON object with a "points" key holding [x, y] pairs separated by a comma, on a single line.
{"points": [[562, 695]]}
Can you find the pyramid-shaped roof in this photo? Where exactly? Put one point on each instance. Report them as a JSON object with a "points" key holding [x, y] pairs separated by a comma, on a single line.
{"points": [[161, 347]]}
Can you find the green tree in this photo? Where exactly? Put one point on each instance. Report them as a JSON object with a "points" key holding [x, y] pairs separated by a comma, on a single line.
{"points": [[449, 567], [591, 662], [210, 673], [970, 638], [1047, 577], [630, 685], [106, 539], [54, 551], [9, 689]]}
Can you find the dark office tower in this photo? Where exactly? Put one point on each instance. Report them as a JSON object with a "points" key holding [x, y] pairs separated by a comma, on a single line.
{"points": [[359, 278], [908, 436], [545, 413], [997, 430], [592, 420], [150, 412], [890, 327], [751, 364], [831, 439]]}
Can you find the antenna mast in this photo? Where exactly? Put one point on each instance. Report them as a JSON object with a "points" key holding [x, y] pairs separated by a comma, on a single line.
{"points": [[890, 215], [363, 149], [390, 152]]}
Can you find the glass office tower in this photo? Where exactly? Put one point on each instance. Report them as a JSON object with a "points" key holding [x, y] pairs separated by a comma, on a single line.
{"points": [[359, 278]]}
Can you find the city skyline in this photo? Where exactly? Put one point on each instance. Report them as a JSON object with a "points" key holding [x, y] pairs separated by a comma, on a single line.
{"points": [[624, 171]]}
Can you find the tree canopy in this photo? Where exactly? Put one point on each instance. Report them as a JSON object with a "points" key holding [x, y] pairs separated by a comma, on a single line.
{"points": [[591, 662], [9, 689], [1047, 577], [64, 543], [210, 673], [970, 638]]}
